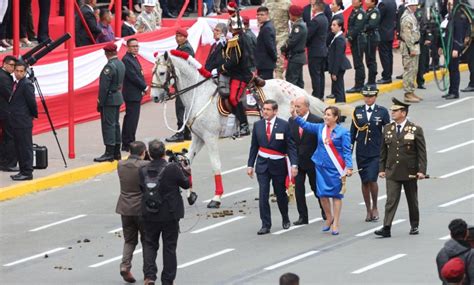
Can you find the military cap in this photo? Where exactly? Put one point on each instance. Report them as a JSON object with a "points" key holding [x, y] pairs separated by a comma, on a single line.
{"points": [[245, 20], [181, 31], [232, 6], [453, 270], [110, 47], [370, 90], [151, 3], [411, 3], [398, 105], [295, 10]]}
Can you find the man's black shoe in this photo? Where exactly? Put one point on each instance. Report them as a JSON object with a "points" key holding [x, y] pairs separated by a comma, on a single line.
{"points": [[414, 231], [178, 137], [383, 232], [445, 95], [384, 81], [21, 177], [300, 221], [451, 96], [330, 96], [468, 89], [286, 225], [399, 76], [263, 231], [421, 86], [354, 90], [10, 169], [125, 148], [187, 137]]}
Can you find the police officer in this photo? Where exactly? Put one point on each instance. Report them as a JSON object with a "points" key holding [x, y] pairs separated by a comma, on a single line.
{"points": [[368, 121], [108, 103], [373, 39], [388, 11], [357, 40], [403, 161], [294, 48]]}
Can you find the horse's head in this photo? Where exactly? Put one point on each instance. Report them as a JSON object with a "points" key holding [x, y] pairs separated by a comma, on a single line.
{"points": [[163, 78]]}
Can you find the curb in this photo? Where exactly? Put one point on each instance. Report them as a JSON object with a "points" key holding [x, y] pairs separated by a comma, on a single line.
{"points": [[86, 172]]}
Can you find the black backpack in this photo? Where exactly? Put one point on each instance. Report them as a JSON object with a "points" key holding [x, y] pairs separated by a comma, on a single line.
{"points": [[152, 198]]}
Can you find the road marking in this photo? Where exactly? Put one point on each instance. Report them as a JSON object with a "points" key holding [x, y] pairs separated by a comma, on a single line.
{"points": [[379, 263], [35, 256], [458, 172], [293, 259], [454, 124], [233, 170], [456, 146], [57, 223], [378, 199], [218, 225], [309, 194], [454, 102], [115, 231], [296, 227], [112, 259], [231, 193], [470, 196], [205, 258], [445, 237], [371, 231]]}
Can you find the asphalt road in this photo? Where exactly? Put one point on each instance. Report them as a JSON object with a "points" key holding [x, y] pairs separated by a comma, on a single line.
{"points": [[227, 250]]}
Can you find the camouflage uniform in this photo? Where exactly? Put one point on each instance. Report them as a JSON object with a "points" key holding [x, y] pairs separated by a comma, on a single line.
{"points": [[149, 22], [279, 15], [410, 36]]}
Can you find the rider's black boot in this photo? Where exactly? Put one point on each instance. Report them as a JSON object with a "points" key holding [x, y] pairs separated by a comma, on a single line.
{"points": [[242, 117]]}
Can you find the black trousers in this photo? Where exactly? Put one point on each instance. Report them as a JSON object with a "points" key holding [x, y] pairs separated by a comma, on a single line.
{"points": [[6, 25], [132, 225], [178, 104], [294, 74], [109, 119], [454, 76], [357, 57], [23, 139], [337, 87], [43, 22], [8, 155], [130, 121], [316, 67], [265, 73], [25, 7], [386, 59], [300, 190], [370, 61], [169, 232], [278, 183], [423, 63], [470, 63]]}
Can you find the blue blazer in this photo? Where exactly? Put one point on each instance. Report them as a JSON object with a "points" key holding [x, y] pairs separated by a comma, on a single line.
{"points": [[285, 145]]}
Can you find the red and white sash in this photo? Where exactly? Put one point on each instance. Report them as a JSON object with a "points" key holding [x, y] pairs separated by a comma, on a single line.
{"points": [[274, 154], [334, 155]]}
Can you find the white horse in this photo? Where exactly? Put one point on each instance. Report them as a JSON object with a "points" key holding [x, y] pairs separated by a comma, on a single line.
{"points": [[202, 116]]}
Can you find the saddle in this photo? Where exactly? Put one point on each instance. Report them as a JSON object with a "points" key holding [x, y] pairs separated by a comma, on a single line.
{"points": [[253, 99]]}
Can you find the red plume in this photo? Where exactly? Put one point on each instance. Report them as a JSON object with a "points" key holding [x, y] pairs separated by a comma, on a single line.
{"points": [[155, 54], [179, 53]]}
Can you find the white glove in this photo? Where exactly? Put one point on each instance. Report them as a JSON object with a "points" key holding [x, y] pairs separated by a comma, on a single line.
{"points": [[214, 72]]}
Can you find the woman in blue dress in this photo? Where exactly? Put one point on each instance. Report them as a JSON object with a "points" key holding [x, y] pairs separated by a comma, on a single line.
{"points": [[333, 160]]}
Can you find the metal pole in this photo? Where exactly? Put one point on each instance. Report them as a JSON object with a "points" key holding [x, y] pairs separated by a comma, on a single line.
{"points": [[16, 28], [70, 28], [118, 18]]}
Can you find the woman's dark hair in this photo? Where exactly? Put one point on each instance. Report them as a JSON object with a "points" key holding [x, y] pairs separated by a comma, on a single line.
{"points": [[339, 22], [335, 111], [340, 4], [156, 148]]}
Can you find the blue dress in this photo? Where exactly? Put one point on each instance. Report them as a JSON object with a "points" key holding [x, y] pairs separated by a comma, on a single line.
{"points": [[328, 179]]}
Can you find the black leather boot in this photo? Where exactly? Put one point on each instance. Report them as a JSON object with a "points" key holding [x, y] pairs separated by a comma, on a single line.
{"points": [[117, 153], [242, 117], [383, 232], [108, 155]]}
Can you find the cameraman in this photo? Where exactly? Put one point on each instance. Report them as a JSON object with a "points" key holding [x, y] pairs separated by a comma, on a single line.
{"points": [[164, 221]]}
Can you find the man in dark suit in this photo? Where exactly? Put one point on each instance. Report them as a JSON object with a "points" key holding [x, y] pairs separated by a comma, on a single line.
{"points": [[317, 49], [165, 221], [82, 37], [22, 110], [216, 55], [308, 14], [8, 158], [265, 52], [271, 144], [403, 160], [388, 18], [134, 86], [306, 145], [129, 205], [128, 26]]}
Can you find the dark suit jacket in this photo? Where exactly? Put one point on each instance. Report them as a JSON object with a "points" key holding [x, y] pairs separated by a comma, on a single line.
{"points": [[285, 146], [133, 82], [388, 18], [130, 199], [307, 12], [216, 56], [317, 34], [23, 106], [306, 145], [6, 82], [127, 30], [173, 178], [337, 60], [265, 52], [82, 37], [330, 34]]}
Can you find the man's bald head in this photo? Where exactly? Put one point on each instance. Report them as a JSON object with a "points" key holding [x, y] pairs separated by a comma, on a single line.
{"points": [[301, 105]]}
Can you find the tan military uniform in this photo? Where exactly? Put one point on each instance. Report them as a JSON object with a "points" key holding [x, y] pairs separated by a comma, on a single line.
{"points": [[402, 157], [410, 36], [149, 22], [279, 15]]}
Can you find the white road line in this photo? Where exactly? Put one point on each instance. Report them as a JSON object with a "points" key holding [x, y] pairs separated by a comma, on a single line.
{"points": [[456, 146], [445, 237], [470, 196], [217, 225], [454, 102], [293, 259], [296, 227], [371, 231], [454, 124], [233, 170], [309, 194], [378, 199], [205, 258], [232, 193], [112, 259], [379, 263], [57, 223], [35, 256], [457, 172], [115, 231]]}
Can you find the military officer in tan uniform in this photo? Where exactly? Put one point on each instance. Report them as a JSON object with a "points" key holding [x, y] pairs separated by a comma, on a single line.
{"points": [[402, 162]]}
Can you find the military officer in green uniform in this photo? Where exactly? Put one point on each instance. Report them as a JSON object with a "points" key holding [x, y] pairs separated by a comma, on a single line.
{"points": [[294, 48], [373, 38], [356, 38], [402, 162], [108, 103]]}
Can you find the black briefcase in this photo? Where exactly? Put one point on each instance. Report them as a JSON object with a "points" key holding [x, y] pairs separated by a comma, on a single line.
{"points": [[40, 157]]}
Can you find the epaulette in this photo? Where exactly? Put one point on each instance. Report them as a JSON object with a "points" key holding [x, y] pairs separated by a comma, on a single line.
{"points": [[231, 44]]}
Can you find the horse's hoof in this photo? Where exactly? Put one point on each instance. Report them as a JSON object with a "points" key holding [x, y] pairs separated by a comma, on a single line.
{"points": [[192, 198], [214, 204]]}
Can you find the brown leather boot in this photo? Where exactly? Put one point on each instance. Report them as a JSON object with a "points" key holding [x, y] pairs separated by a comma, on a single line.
{"points": [[127, 276], [410, 98], [417, 97]]}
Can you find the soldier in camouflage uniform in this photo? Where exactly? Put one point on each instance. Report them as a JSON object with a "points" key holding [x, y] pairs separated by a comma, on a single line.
{"points": [[279, 15], [108, 103], [410, 49]]}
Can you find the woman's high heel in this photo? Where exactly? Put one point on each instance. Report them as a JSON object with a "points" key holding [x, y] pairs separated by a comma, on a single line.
{"points": [[327, 228]]}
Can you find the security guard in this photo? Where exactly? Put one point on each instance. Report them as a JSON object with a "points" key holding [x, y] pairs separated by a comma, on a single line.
{"points": [[373, 38], [357, 40], [108, 103], [294, 48], [403, 161], [368, 121]]}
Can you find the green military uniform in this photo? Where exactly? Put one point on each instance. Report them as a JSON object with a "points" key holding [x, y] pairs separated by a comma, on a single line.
{"points": [[356, 38], [294, 49], [410, 37], [373, 38]]}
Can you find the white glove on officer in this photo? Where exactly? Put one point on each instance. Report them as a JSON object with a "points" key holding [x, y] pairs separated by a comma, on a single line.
{"points": [[214, 72]]}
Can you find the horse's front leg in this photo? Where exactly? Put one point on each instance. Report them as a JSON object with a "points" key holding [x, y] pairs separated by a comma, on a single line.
{"points": [[196, 145], [216, 167]]}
